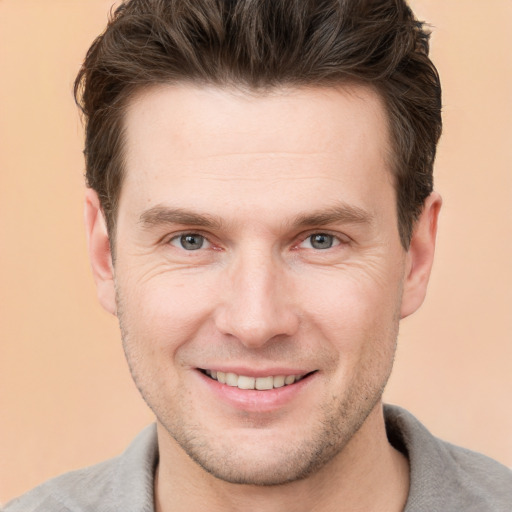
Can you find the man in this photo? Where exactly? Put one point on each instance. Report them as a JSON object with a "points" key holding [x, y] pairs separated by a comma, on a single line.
{"points": [[260, 216]]}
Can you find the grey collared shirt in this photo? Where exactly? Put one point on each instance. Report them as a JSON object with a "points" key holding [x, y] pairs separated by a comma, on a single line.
{"points": [[444, 478]]}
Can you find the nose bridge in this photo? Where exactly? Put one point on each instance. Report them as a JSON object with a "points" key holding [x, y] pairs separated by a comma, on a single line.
{"points": [[256, 280], [257, 306]]}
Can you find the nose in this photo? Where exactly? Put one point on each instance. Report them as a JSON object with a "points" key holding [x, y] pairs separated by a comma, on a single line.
{"points": [[257, 305]]}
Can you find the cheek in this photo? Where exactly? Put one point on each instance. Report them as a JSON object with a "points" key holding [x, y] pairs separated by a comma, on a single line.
{"points": [[164, 311], [352, 308]]}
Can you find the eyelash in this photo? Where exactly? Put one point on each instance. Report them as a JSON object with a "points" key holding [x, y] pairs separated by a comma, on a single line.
{"points": [[336, 239], [179, 238]]}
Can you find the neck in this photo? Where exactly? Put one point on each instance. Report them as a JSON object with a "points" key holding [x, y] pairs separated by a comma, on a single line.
{"points": [[368, 475]]}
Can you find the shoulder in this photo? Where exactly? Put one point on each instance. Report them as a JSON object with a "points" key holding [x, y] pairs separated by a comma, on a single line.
{"points": [[69, 492], [445, 476], [127, 479]]}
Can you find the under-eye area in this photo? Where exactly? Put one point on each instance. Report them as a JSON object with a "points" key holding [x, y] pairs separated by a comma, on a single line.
{"points": [[258, 383]]}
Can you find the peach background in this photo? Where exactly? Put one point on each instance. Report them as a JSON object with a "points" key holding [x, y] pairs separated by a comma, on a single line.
{"points": [[66, 399]]}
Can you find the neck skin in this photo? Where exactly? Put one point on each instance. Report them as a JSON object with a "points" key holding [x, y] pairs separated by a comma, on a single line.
{"points": [[369, 475]]}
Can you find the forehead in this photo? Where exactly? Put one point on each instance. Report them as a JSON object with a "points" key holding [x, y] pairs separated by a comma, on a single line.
{"points": [[254, 146], [228, 116]]}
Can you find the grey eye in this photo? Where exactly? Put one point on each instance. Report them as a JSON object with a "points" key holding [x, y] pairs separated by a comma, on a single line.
{"points": [[189, 242], [321, 241]]}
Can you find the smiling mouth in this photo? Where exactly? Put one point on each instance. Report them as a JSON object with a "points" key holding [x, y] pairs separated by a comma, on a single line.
{"points": [[258, 383]]}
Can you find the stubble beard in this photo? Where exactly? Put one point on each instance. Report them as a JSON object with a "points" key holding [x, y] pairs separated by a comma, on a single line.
{"points": [[283, 464], [339, 422]]}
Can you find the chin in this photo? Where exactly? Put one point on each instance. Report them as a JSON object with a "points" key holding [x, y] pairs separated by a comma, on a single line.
{"points": [[269, 469], [264, 457]]}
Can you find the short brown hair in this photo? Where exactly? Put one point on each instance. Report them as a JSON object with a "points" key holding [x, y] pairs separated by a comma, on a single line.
{"points": [[262, 44]]}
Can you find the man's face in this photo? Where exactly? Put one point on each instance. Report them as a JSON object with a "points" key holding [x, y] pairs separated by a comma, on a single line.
{"points": [[256, 242]]}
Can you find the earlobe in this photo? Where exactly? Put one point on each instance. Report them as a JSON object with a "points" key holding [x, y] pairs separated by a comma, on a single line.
{"points": [[100, 255], [420, 256]]}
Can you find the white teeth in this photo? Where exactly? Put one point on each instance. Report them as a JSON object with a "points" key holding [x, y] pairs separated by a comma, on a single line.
{"points": [[259, 383], [263, 383], [246, 382], [232, 379], [279, 381], [290, 379]]}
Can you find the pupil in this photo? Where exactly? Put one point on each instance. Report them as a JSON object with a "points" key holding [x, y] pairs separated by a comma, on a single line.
{"points": [[192, 242], [321, 241]]}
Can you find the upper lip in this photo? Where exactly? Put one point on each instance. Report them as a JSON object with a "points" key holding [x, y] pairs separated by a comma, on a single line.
{"points": [[252, 372]]}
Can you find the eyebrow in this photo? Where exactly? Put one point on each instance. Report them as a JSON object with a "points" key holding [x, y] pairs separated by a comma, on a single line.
{"points": [[346, 214], [161, 215]]}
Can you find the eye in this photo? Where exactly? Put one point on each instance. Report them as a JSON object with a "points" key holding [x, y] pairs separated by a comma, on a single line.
{"points": [[190, 242], [320, 241]]}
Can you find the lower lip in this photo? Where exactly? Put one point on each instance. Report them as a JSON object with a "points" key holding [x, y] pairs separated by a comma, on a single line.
{"points": [[257, 401]]}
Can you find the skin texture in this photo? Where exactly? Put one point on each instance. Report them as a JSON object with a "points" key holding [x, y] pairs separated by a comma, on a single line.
{"points": [[254, 178]]}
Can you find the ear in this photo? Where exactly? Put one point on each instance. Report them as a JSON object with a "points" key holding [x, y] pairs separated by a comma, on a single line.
{"points": [[420, 256], [100, 256]]}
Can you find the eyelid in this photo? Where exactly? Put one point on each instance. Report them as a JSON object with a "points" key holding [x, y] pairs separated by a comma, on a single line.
{"points": [[176, 236], [341, 238]]}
